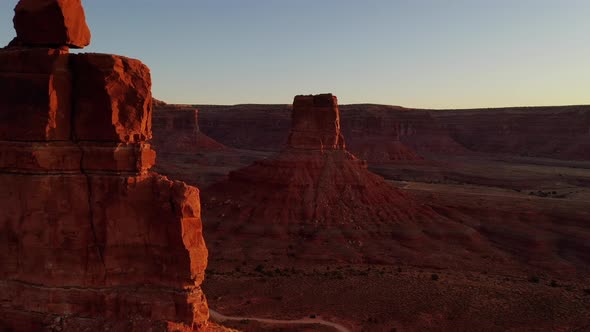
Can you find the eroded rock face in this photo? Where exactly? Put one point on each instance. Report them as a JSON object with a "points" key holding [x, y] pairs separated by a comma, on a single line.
{"points": [[113, 99], [315, 123], [90, 239], [51, 23]]}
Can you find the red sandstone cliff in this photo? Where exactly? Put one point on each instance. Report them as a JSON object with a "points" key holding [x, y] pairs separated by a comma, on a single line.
{"points": [[381, 133], [550, 132], [90, 240]]}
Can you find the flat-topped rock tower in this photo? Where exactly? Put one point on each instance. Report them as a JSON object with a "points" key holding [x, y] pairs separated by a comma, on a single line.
{"points": [[315, 123], [90, 239]]}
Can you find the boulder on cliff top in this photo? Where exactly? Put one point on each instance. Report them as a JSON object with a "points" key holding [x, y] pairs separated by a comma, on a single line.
{"points": [[315, 123], [51, 23]]}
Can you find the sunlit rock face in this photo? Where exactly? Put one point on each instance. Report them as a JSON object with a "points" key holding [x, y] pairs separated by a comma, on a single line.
{"points": [[90, 239], [51, 23]]}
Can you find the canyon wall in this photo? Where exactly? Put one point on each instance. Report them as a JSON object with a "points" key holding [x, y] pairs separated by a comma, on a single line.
{"points": [[549, 132], [377, 133], [90, 239], [381, 133]]}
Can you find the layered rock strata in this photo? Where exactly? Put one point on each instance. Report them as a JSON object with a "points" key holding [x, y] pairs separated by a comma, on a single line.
{"points": [[89, 239]]}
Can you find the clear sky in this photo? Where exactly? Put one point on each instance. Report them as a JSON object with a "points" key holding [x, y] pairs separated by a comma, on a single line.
{"points": [[414, 53]]}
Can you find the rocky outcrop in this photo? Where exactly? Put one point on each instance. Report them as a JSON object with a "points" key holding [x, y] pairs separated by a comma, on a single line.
{"points": [[314, 201], [51, 23], [90, 240]]}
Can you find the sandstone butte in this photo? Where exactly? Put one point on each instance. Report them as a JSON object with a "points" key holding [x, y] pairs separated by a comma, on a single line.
{"points": [[313, 201], [90, 239]]}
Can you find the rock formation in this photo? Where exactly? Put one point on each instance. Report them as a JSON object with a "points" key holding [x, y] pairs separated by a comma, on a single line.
{"points": [[184, 152], [176, 130], [313, 201], [377, 133], [90, 240], [51, 23], [315, 123]]}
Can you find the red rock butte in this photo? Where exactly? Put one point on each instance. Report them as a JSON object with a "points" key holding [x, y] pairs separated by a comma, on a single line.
{"points": [[91, 239], [314, 201], [316, 123]]}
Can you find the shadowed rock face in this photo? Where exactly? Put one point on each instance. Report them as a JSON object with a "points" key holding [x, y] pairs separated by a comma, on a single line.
{"points": [[176, 130], [51, 23], [315, 123], [90, 240]]}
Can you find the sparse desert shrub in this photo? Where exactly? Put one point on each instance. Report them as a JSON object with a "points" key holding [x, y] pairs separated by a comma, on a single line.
{"points": [[259, 268], [534, 279], [434, 277], [553, 283]]}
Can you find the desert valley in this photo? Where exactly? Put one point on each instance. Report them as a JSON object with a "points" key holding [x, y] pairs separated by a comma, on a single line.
{"points": [[122, 212], [477, 214]]}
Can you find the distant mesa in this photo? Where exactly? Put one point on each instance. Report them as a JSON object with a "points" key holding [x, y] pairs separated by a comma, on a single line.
{"points": [[176, 130], [51, 23]]}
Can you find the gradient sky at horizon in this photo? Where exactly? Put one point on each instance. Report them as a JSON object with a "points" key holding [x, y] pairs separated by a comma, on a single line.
{"points": [[413, 53]]}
